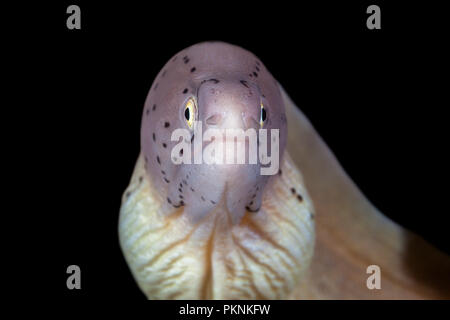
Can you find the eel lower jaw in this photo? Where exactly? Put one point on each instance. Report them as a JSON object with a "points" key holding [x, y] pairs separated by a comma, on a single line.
{"points": [[234, 209]]}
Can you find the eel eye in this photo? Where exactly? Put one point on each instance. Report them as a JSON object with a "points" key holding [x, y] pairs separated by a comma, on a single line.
{"points": [[189, 112], [263, 116]]}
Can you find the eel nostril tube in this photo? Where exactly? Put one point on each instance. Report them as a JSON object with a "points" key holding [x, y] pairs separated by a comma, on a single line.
{"points": [[214, 120], [251, 123]]}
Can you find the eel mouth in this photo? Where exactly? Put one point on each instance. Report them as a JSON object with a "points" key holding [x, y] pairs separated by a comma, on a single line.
{"points": [[235, 206], [233, 189]]}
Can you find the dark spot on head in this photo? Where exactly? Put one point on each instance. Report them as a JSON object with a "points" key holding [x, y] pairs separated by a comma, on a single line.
{"points": [[154, 136], [164, 73], [203, 198], [213, 80], [192, 138], [250, 75], [169, 201], [181, 152], [184, 181], [280, 172], [154, 107], [181, 203], [156, 86], [257, 69], [251, 210], [293, 190], [192, 189], [147, 111], [299, 197], [181, 196], [186, 59], [166, 124], [185, 90], [254, 196], [181, 185], [257, 62], [158, 160], [164, 145], [257, 188], [166, 180], [213, 202], [255, 74], [244, 83], [127, 194], [251, 202], [179, 189], [163, 172], [140, 179], [193, 69]]}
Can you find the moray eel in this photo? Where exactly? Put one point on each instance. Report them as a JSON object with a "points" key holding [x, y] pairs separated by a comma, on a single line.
{"points": [[225, 231]]}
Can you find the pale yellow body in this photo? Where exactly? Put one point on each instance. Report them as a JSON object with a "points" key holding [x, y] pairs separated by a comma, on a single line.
{"points": [[262, 257], [351, 234]]}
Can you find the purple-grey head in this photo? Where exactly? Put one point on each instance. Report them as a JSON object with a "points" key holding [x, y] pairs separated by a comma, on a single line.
{"points": [[209, 89]]}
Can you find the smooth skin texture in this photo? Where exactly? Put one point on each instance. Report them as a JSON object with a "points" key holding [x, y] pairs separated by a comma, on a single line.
{"points": [[352, 234], [227, 85]]}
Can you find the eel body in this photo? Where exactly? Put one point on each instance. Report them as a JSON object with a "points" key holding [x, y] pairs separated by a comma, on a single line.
{"points": [[351, 234], [226, 231]]}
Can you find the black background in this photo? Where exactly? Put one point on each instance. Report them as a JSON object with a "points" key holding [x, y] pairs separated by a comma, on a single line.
{"points": [[377, 98]]}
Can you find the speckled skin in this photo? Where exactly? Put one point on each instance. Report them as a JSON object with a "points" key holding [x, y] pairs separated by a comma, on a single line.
{"points": [[227, 81], [199, 231]]}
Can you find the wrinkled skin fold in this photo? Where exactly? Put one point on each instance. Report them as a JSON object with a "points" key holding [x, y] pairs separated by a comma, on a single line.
{"points": [[262, 257]]}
